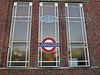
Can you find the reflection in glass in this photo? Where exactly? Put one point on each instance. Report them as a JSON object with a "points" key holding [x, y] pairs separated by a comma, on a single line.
{"points": [[18, 54], [21, 4], [74, 12], [20, 32], [73, 4], [48, 4], [48, 56], [49, 63], [48, 11], [18, 64], [22, 11], [76, 32], [78, 53], [48, 30]]}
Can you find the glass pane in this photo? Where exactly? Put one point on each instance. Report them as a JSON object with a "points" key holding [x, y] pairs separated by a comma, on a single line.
{"points": [[67, 30], [20, 33], [27, 64], [30, 11], [8, 64], [40, 12], [74, 12], [40, 25], [56, 12], [14, 10], [22, 3], [18, 64], [57, 63], [48, 56], [48, 11], [11, 31], [39, 63], [27, 59], [73, 4], [57, 32], [86, 50], [48, 30], [39, 54], [9, 54], [49, 64], [66, 12], [57, 54], [81, 10], [18, 54], [81, 63], [74, 62], [76, 32], [22, 11], [69, 54], [78, 54], [48, 4], [84, 31], [29, 35]]}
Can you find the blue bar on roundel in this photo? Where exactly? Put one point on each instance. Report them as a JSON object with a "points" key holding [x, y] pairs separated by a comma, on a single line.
{"points": [[48, 44]]}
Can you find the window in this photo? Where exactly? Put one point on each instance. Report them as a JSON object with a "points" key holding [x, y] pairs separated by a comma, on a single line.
{"points": [[19, 41], [48, 56], [76, 35]]}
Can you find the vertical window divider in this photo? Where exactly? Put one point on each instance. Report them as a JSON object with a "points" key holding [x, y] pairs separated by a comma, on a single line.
{"points": [[13, 32], [86, 38], [55, 33], [83, 33]]}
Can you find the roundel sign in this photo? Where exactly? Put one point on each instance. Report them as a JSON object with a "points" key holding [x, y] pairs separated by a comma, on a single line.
{"points": [[48, 44]]}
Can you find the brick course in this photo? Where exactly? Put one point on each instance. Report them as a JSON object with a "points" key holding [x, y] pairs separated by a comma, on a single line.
{"points": [[92, 19]]}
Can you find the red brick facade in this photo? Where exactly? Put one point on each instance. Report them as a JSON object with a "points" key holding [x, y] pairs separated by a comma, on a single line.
{"points": [[92, 18]]}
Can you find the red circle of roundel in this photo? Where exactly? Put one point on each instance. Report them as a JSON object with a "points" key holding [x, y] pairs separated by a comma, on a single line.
{"points": [[52, 48]]}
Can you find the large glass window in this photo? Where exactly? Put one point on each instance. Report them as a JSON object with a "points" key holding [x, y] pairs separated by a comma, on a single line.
{"points": [[76, 35], [19, 41], [48, 52]]}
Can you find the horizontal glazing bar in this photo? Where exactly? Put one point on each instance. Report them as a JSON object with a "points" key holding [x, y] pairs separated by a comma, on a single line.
{"points": [[78, 47], [18, 61], [49, 61], [79, 61], [76, 21]]}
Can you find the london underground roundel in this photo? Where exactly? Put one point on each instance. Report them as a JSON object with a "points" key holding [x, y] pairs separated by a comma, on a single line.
{"points": [[48, 44]]}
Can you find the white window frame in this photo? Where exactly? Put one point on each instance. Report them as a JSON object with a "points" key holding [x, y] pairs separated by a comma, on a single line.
{"points": [[12, 34], [83, 34], [40, 35]]}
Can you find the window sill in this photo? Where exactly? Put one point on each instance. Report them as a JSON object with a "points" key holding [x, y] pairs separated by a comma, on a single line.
{"points": [[50, 67]]}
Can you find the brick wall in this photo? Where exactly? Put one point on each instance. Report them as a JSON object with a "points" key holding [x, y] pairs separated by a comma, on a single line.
{"points": [[50, 72], [92, 17], [5, 20]]}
